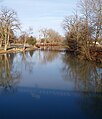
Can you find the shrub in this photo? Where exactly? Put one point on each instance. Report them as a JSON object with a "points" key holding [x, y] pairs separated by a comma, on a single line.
{"points": [[31, 41]]}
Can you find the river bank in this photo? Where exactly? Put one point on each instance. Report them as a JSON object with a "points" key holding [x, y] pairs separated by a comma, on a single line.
{"points": [[19, 48], [15, 50], [95, 52]]}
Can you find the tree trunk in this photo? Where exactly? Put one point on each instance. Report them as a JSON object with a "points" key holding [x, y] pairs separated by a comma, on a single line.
{"points": [[5, 48], [8, 39], [0, 44], [24, 45]]}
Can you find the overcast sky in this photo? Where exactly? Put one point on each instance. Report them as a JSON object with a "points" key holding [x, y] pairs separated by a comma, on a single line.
{"points": [[41, 13]]}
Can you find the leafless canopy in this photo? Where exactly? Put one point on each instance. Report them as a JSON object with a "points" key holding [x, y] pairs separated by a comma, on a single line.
{"points": [[8, 22]]}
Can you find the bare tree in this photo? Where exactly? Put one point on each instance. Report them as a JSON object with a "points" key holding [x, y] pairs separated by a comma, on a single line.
{"points": [[85, 8], [8, 23], [97, 18], [85, 27], [44, 34], [74, 31], [91, 11], [53, 36], [50, 35], [25, 35]]}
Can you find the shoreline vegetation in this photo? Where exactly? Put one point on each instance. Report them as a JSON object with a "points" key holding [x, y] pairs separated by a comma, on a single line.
{"points": [[95, 52], [82, 38]]}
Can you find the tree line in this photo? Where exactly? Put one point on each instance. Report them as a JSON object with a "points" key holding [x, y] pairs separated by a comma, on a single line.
{"points": [[84, 27], [10, 24]]}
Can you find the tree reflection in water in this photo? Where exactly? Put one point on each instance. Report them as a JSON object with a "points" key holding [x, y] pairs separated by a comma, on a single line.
{"points": [[8, 76], [48, 56], [87, 76], [27, 60]]}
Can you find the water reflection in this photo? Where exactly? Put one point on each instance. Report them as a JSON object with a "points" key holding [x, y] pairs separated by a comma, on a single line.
{"points": [[47, 56], [87, 76], [8, 76], [49, 85], [26, 59], [83, 75]]}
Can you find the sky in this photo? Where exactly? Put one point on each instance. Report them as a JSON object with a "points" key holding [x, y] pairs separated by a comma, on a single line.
{"points": [[40, 14]]}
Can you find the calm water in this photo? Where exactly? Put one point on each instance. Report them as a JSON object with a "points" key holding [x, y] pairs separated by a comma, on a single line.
{"points": [[49, 85]]}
